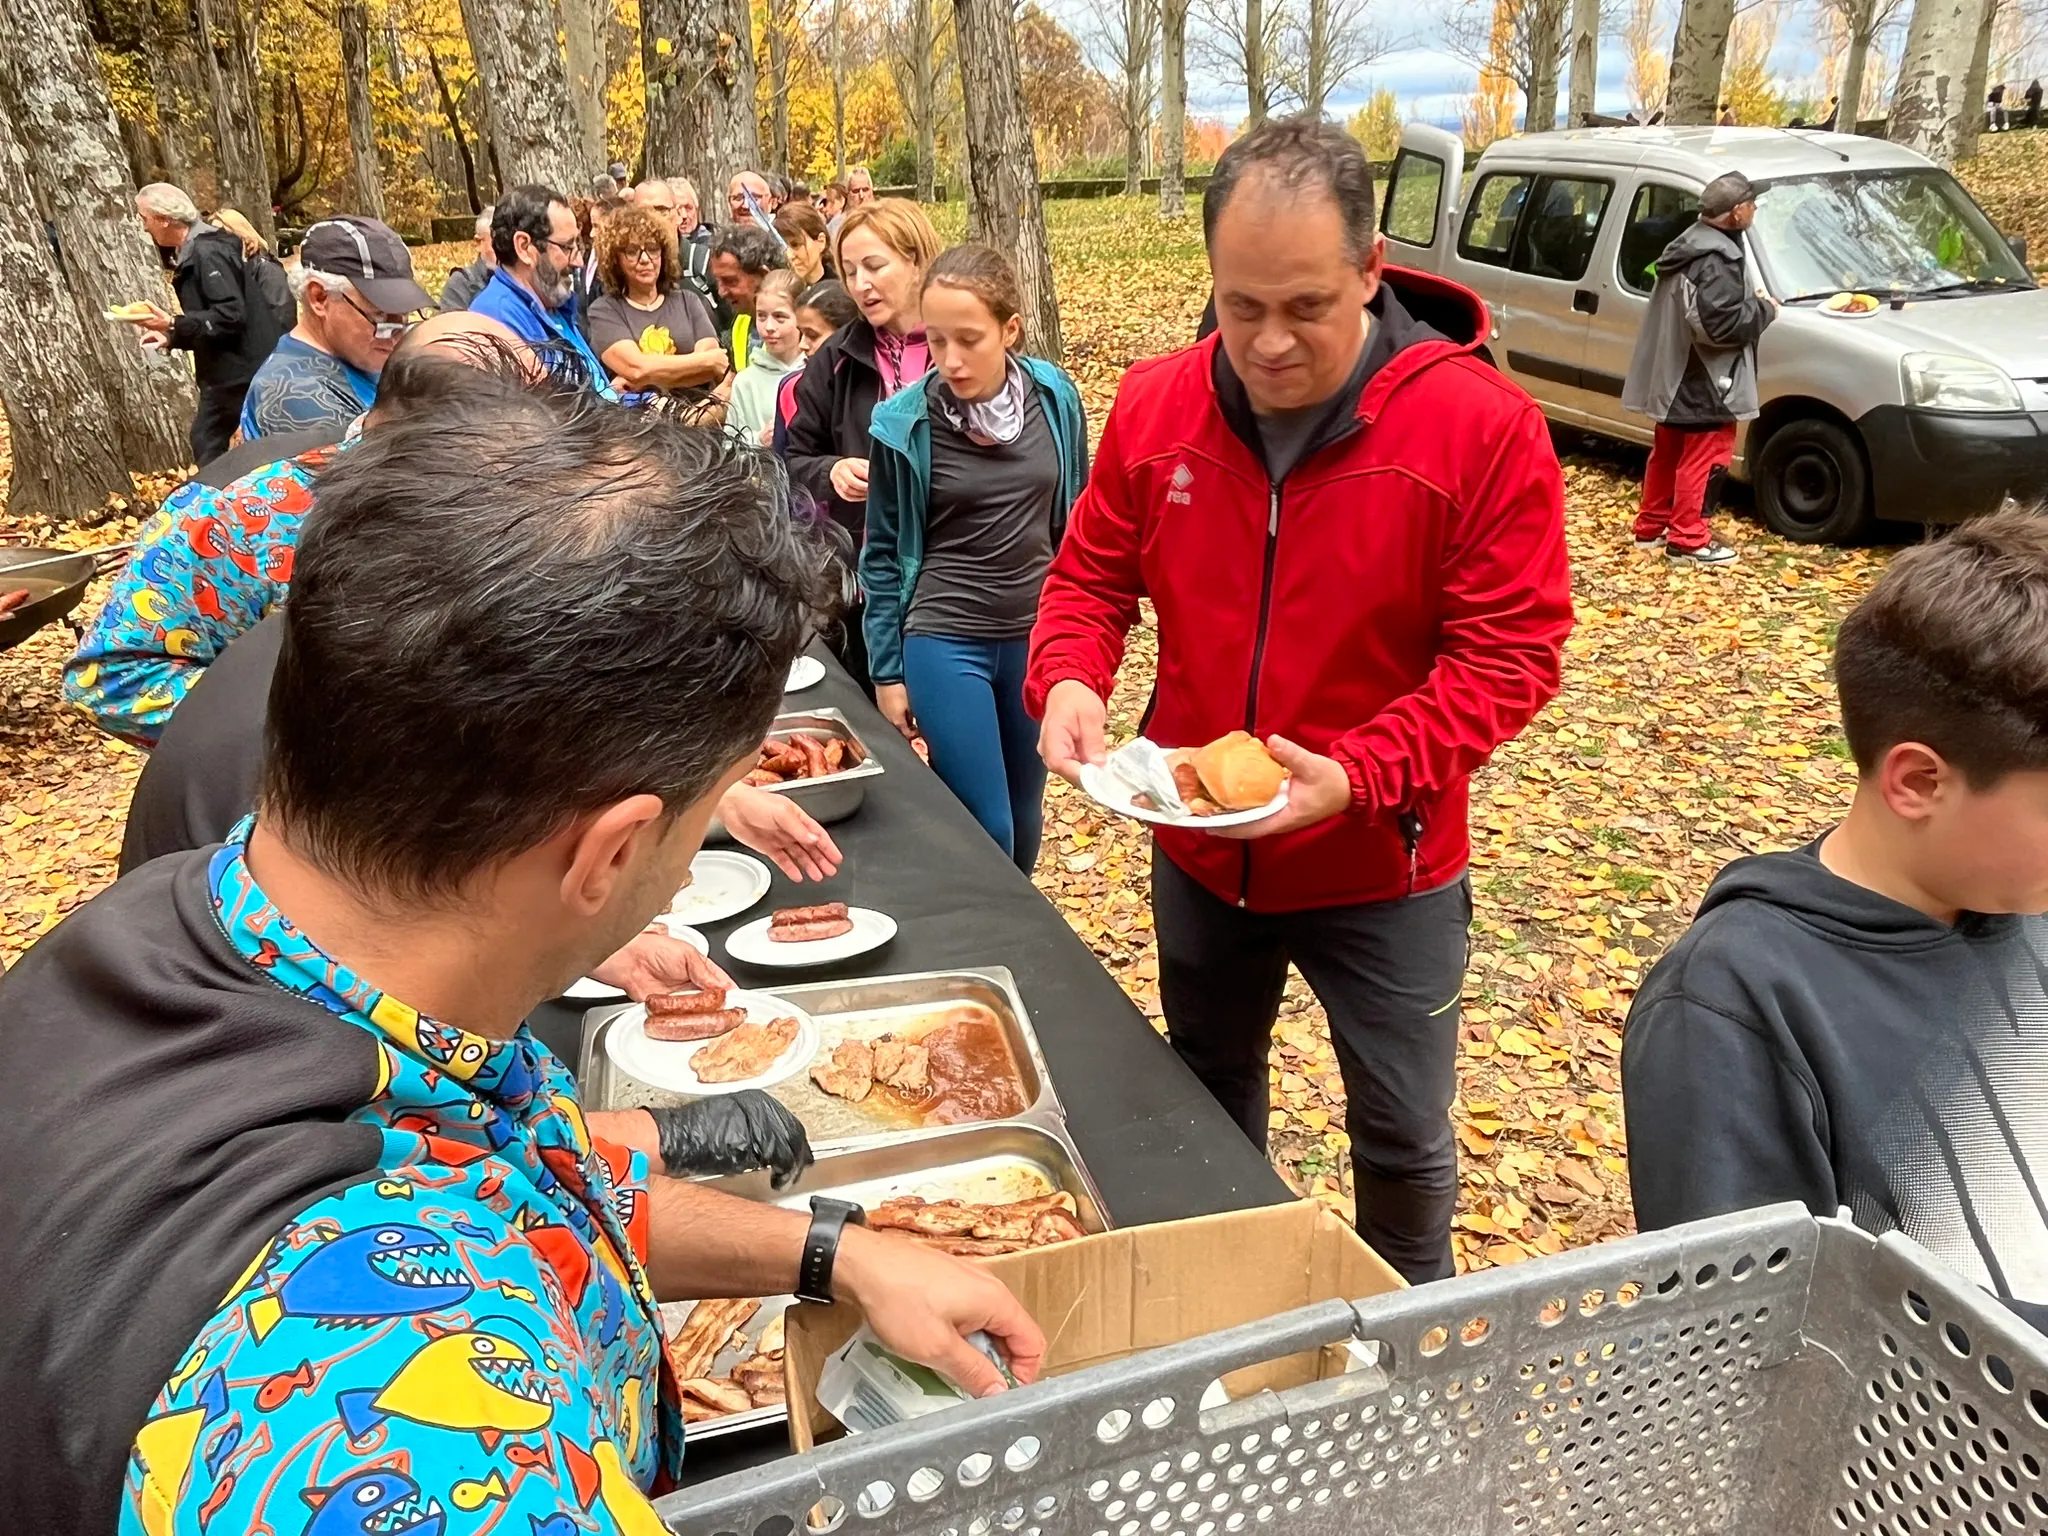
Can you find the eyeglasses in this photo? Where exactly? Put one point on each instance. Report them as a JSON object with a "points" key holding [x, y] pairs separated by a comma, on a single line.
{"points": [[570, 248], [635, 252], [381, 329]]}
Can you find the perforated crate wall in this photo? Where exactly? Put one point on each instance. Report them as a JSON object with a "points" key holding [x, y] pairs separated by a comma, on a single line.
{"points": [[1764, 1374]]}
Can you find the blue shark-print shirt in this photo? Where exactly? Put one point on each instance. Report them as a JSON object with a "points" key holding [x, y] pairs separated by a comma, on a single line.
{"points": [[462, 1342], [209, 565]]}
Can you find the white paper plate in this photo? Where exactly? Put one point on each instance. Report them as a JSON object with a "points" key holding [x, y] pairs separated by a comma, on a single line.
{"points": [[804, 672], [588, 987], [666, 1063], [871, 930], [721, 885], [1112, 793]]}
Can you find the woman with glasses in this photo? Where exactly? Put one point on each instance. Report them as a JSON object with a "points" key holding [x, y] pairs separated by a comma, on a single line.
{"points": [[648, 329]]}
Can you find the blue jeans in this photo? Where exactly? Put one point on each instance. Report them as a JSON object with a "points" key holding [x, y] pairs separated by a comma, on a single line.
{"points": [[968, 697]]}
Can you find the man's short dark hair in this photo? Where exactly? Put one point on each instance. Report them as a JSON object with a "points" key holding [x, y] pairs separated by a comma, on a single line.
{"points": [[752, 247], [523, 210], [1301, 156], [509, 615], [1950, 649]]}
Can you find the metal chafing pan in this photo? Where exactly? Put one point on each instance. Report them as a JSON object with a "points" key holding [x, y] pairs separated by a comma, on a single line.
{"points": [[865, 1007], [835, 796], [978, 1163]]}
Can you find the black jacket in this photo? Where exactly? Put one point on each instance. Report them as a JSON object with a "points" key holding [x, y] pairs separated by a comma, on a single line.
{"points": [[1811, 1040], [228, 329], [835, 399], [164, 1110]]}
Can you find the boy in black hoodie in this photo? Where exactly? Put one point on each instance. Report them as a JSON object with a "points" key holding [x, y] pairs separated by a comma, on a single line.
{"points": [[1863, 1022]]}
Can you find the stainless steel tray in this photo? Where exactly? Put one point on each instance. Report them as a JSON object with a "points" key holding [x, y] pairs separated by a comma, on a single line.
{"points": [[981, 1163], [837, 795], [866, 1007]]}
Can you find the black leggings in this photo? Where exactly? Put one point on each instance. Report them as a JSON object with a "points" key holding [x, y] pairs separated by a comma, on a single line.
{"points": [[1389, 974]]}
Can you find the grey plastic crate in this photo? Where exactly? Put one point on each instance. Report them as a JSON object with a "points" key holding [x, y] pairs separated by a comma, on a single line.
{"points": [[1763, 1373]]}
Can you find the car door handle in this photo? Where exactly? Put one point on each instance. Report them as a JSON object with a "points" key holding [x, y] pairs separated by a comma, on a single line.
{"points": [[1585, 301]]}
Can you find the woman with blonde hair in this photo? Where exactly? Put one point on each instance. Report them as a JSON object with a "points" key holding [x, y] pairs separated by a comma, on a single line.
{"points": [[264, 275], [883, 250], [648, 328]]}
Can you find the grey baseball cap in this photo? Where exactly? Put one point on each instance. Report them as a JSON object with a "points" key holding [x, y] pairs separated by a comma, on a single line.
{"points": [[370, 254], [1724, 194]]}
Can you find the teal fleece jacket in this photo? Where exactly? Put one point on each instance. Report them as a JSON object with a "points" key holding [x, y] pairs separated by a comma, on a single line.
{"points": [[899, 499]]}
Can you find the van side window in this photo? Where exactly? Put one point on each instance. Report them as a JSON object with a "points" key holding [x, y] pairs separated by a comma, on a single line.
{"points": [[1657, 217], [1562, 225], [1491, 216], [1413, 197]]}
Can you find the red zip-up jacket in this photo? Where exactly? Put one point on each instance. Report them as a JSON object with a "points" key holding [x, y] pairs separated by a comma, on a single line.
{"points": [[1399, 602]]}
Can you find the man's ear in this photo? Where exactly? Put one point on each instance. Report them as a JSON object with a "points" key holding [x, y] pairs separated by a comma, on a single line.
{"points": [[601, 848], [1374, 265], [1914, 779]]}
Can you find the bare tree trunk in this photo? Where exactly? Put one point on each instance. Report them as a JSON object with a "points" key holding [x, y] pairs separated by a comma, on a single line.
{"points": [[924, 69], [1698, 54], [67, 459], [362, 131], [1137, 54], [702, 122], [1585, 65], [526, 92], [1002, 164], [1970, 124], [838, 90], [225, 47], [1255, 62], [158, 32], [1316, 84], [583, 45], [51, 85], [780, 20], [454, 117], [1546, 32], [1173, 106], [1933, 75], [1849, 95]]}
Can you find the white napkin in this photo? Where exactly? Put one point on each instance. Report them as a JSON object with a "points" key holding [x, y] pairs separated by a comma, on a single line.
{"points": [[1142, 766]]}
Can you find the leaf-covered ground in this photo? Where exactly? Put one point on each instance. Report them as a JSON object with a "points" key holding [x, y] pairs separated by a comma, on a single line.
{"points": [[1696, 724]]}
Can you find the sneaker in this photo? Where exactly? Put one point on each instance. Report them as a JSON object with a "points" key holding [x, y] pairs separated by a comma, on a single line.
{"points": [[1714, 552], [1646, 545]]}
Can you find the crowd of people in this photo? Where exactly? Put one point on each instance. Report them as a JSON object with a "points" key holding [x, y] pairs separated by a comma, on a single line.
{"points": [[412, 774]]}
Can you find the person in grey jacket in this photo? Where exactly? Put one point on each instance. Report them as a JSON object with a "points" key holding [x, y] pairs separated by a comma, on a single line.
{"points": [[465, 283], [1694, 371]]}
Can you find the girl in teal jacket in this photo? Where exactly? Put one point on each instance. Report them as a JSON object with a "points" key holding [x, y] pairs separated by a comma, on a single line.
{"points": [[970, 479]]}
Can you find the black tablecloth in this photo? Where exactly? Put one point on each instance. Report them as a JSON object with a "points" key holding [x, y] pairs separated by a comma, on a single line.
{"points": [[1157, 1144]]}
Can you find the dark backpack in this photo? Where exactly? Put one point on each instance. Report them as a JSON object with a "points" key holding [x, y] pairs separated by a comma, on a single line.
{"points": [[265, 283]]}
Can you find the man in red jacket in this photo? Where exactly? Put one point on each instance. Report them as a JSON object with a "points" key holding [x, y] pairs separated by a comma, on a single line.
{"points": [[1352, 531]]}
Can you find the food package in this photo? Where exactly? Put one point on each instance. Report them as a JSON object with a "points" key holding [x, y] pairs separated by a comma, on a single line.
{"points": [[865, 1385], [1145, 767]]}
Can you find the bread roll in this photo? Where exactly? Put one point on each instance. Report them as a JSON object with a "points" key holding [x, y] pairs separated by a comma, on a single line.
{"points": [[1238, 771]]}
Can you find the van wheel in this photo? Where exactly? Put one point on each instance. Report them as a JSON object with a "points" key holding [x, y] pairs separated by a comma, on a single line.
{"points": [[1812, 485]]}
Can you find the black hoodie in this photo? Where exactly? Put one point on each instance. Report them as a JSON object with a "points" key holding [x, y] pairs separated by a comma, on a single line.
{"points": [[1812, 1040]]}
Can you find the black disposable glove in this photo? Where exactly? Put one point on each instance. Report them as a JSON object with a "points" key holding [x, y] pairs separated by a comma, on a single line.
{"points": [[733, 1133]]}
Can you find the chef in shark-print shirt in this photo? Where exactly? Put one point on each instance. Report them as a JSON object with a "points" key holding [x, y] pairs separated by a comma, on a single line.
{"points": [[303, 1232]]}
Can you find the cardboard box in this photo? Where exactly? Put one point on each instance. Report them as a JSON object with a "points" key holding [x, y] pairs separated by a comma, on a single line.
{"points": [[1101, 1298]]}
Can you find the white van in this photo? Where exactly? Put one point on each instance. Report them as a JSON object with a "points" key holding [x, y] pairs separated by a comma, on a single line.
{"points": [[1931, 408]]}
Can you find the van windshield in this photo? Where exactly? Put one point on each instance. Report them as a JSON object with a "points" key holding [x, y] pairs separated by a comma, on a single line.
{"points": [[1909, 231]]}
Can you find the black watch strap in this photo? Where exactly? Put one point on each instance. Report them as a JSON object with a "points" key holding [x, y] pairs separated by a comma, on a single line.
{"points": [[821, 1245]]}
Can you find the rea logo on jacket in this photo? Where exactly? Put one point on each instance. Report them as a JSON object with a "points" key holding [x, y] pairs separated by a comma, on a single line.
{"points": [[1182, 478]]}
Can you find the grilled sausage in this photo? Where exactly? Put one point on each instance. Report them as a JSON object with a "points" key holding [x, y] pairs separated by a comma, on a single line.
{"points": [[673, 1004], [809, 933], [695, 1026], [823, 912]]}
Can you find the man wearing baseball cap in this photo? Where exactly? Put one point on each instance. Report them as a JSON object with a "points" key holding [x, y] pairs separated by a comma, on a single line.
{"points": [[1694, 371], [356, 297]]}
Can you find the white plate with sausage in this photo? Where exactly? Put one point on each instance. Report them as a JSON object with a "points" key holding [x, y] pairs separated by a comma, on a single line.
{"points": [[813, 935], [673, 1064]]}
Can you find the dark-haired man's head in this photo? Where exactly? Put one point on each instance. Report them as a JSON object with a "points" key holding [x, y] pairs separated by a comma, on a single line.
{"points": [[533, 230], [531, 641], [1943, 674], [1294, 257], [741, 256]]}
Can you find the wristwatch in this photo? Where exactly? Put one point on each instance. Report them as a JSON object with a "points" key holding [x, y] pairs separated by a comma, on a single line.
{"points": [[821, 1245]]}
